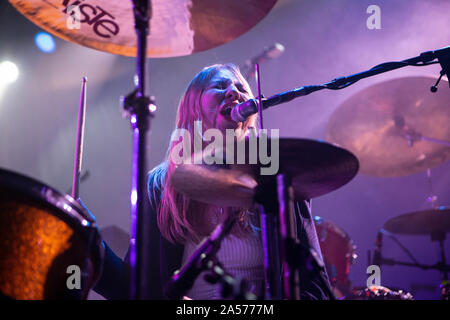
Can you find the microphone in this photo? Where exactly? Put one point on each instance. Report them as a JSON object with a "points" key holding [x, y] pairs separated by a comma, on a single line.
{"points": [[269, 53], [243, 110], [377, 260], [183, 279]]}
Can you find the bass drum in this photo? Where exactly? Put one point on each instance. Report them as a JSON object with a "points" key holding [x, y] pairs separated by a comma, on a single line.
{"points": [[50, 247], [338, 252]]}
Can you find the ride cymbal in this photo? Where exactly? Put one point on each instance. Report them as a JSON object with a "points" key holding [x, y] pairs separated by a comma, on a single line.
{"points": [[177, 27], [388, 126]]}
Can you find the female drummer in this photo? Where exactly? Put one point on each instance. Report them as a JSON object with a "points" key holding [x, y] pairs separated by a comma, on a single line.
{"points": [[178, 223]]}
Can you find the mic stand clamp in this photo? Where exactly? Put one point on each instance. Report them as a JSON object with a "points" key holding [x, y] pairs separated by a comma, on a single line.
{"points": [[141, 106], [234, 288], [203, 259]]}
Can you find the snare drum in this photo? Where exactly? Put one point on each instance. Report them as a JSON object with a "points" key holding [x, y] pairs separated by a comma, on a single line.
{"points": [[339, 253], [50, 247]]}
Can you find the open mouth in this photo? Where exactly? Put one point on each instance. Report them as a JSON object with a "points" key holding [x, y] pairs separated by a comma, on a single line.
{"points": [[226, 111]]}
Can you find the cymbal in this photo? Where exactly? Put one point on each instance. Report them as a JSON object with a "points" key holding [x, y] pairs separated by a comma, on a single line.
{"points": [[315, 168], [177, 27], [424, 222], [212, 184], [383, 125]]}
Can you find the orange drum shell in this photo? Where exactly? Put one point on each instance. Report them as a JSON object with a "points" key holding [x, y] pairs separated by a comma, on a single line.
{"points": [[42, 233]]}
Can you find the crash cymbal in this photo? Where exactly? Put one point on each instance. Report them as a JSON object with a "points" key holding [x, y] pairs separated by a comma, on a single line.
{"points": [[424, 222], [315, 167], [383, 126], [177, 27]]}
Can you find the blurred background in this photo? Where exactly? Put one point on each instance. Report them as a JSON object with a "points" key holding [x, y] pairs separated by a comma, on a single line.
{"points": [[323, 39]]}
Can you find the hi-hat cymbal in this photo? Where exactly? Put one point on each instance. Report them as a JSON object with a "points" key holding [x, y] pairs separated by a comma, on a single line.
{"points": [[177, 27], [383, 126], [315, 168], [426, 222]]}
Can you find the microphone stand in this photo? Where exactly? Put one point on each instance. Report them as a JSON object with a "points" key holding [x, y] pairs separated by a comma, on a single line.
{"points": [[249, 107], [204, 259], [287, 238], [234, 288], [139, 109]]}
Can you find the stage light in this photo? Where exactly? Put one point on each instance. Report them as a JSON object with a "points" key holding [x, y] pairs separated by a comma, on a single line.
{"points": [[45, 42], [8, 73]]}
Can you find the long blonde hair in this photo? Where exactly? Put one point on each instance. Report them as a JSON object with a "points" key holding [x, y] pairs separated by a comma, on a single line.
{"points": [[178, 214]]}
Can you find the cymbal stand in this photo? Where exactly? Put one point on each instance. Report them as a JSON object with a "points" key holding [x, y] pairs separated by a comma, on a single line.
{"points": [[139, 109], [272, 267], [269, 227], [413, 136], [432, 198], [439, 237], [445, 285], [288, 237], [441, 266], [283, 253]]}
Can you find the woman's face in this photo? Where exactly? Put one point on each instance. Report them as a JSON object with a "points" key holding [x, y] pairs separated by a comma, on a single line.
{"points": [[221, 94]]}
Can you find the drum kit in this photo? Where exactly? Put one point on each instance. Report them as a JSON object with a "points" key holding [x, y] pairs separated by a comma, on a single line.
{"points": [[390, 129]]}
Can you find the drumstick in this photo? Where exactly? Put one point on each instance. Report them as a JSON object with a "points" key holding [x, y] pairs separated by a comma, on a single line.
{"points": [[79, 142]]}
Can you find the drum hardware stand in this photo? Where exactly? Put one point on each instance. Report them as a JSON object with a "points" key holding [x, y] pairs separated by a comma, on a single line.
{"points": [[413, 136], [272, 249], [272, 267], [434, 88], [284, 256], [288, 237], [139, 108], [378, 247], [296, 255], [282, 247], [234, 288], [204, 259], [441, 266], [432, 198], [444, 60], [444, 268], [440, 238]]}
